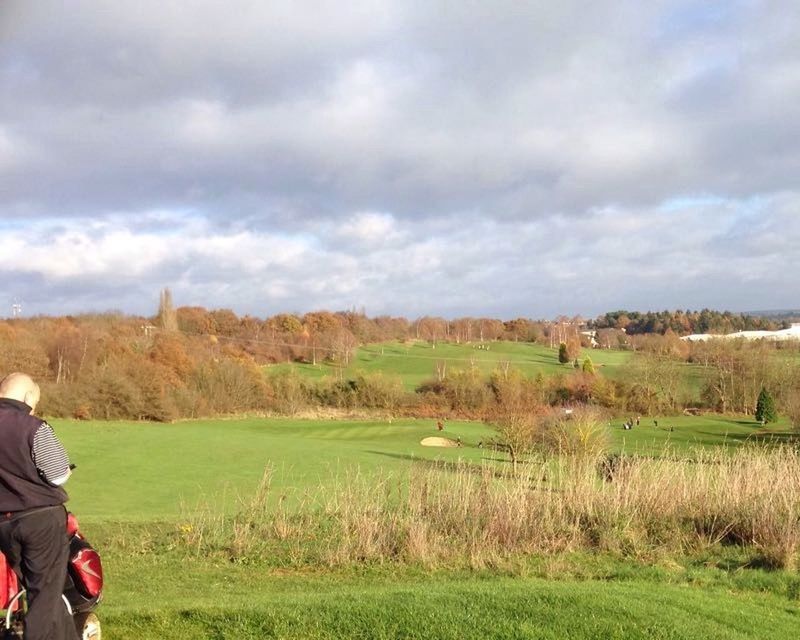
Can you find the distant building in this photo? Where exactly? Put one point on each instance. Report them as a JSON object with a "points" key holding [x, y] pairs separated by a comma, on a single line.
{"points": [[592, 335], [149, 329], [792, 333]]}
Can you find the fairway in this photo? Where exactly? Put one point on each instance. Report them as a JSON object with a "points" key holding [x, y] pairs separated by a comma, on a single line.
{"points": [[415, 362], [139, 471], [684, 433], [132, 476], [132, 471]]}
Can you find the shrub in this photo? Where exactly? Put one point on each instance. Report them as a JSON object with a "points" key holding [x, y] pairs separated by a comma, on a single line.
{"points": [[513, 390], [379, 391], [793, 408], [467, 392], [290, 392], [230, 386], [582, 432], [114, 396]]}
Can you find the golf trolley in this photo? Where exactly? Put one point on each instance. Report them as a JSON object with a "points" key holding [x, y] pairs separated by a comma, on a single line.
{"points": [[82, 589]]}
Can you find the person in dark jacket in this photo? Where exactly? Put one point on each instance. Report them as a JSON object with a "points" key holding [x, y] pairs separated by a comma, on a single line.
{"points": [[33, 530]]}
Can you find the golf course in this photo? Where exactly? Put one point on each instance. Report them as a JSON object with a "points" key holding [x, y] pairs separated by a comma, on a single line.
{"points": [[143, 491]]}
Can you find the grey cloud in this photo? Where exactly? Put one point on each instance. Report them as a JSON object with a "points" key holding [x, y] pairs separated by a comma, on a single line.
{"points": [[694, 255], [514, 109], [535, 144]]}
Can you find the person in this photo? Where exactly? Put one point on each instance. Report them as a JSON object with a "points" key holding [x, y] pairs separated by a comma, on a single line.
{"points": [[33, 521]]}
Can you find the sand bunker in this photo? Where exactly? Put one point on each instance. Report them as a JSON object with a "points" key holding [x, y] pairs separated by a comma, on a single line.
{"points": [[438, 442]]}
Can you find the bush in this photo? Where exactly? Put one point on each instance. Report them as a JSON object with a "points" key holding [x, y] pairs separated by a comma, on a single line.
{"points": [[582, 432], [378, 391], [114, 396], [290, 392], [513, 390], [229, 386], [366, 391], [467, 392], [793, 408]]}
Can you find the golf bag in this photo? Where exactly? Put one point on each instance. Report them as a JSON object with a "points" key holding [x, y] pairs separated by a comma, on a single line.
{"points": [[83, 588]]}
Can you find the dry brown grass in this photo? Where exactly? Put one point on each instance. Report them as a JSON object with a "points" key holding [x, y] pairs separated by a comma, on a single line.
{"points": [[486, 515]]}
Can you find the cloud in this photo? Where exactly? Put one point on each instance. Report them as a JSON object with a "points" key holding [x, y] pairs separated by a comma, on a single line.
{"points": [[688, 254], [526, 157]]}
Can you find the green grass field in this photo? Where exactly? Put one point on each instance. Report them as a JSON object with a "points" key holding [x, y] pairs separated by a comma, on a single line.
{"points": [[236, 602], [132, 476], [415, 362], [129, 471]]}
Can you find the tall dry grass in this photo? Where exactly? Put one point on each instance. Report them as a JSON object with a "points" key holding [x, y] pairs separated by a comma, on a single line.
{"points": [[482, 515]]}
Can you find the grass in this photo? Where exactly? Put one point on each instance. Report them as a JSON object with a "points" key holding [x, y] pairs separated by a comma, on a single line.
{"points": [[129, 471], [134, 471], [415, 362], [237, 602], [133, 476], [678, 434]]}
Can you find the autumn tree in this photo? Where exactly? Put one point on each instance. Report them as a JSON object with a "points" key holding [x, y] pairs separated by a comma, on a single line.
{"points": [[431, 329], [195, 320], [792, 408], [655, 383], [226, 322], [319, 327], [735, 372]]}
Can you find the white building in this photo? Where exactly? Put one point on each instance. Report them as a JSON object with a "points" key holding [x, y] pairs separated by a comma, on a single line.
{"points": [[792, 333]]}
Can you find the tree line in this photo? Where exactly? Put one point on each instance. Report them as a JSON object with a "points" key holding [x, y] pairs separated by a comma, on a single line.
{"points": [[193, 362], [687, 322]]}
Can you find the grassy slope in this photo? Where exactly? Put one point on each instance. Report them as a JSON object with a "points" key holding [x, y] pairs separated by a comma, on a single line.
{"points": [[415, 362], [239, 602], [676, 434], [142, 472]]}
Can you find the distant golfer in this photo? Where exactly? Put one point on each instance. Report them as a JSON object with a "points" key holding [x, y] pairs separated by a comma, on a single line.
{"points": [[33, 521]]}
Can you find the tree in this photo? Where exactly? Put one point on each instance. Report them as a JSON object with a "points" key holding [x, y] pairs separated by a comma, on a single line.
{"points": [[765, 407], [226, 322], [588, 365], [167, 318], [793, 408], [563, 353], [517, 430]]}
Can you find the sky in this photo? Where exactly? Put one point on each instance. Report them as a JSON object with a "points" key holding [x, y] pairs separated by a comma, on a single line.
{"points": [[443, 157]]}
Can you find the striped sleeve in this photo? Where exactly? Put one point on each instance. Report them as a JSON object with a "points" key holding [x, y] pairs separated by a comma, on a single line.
{"points": [[49, 456]]}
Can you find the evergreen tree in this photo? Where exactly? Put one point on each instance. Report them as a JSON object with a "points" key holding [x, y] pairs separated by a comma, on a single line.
{"points": [[588, 365], [765, 408], [563, 353]]}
